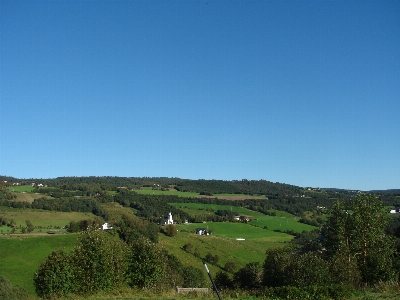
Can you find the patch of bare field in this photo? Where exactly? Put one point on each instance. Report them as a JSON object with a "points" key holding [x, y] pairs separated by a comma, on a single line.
{"points": [[28, 197]]}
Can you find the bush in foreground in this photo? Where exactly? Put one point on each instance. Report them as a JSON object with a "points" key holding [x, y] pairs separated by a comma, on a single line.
{"points": [[54, 277], [10, 292]]}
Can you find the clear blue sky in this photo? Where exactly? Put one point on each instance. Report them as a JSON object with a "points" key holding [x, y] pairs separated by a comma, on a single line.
{"points": [[299, 92]]}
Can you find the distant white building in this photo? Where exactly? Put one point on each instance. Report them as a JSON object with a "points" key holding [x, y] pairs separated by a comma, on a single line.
{"points": [[106, 226], [202, 231], [169, 220]]}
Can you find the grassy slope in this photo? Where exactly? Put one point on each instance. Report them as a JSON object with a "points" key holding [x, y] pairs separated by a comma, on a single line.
{"points": [[20, 257], [40, 217], [21, 188], [28, 197], [150, 191], [240, 252], [282, 221]]}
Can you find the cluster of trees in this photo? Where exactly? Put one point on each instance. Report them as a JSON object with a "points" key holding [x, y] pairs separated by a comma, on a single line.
{"points": [[5, 196], [61, 204], [11, 223], [130, 228], [244, 186], [353, 249], [151, 207], [101, 261], [80, 226]]}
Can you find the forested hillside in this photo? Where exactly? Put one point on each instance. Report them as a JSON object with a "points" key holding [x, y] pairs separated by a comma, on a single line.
{"points": [[244, 186]]}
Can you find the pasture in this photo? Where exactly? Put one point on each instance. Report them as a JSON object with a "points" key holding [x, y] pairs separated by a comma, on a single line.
{"points": [[24, 193], [20, 256], [234, 230], [21, 188], [227, 249], [150, 191], [41, 219], [282, 221]]}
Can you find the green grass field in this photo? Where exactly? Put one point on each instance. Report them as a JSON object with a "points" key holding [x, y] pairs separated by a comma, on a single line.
{"points": [[21, 188], [282, 221], [231, 230], [150, 191], [21, 256], [38, 217], [228, 249]]}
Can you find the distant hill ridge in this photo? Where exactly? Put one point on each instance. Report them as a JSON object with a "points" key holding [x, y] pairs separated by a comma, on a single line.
{"points": [[213, 186]]}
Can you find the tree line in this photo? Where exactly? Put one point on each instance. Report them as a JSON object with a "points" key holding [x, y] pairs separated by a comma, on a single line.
{"points": [[104, 261], [354, 250]]}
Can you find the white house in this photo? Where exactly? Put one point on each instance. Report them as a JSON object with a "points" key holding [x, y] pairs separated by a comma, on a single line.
{"points": [[202, 231], [106, 226]]}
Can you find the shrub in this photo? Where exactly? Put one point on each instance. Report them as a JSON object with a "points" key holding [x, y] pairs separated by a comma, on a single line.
{"points": [[344, 271], [249, 277], [146, 263], [193, 277], [170, 230], [308, 269], [230, 266], [212, 259], [99, 262], [319, 292], [188, 247], [54, 277], [10, 292], [223, 281], [275, 265], [173, 271]]}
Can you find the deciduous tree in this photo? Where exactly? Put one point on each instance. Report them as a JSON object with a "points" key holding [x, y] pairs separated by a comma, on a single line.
{"points": [[99, 262], [357, 231], [54, 277]]}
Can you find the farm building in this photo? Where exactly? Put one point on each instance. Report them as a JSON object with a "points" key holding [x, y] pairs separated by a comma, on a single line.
{"points": [[106, 226], [202, 231], [243, 219]]}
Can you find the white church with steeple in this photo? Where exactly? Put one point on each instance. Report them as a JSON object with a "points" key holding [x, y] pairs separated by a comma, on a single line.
{"points": [[169, 220]]}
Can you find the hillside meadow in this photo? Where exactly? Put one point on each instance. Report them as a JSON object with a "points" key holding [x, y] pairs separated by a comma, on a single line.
{"points": [[41, 219], [21, 188], [282, 221], [21, 255], [150, 191], [223, 244]]}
